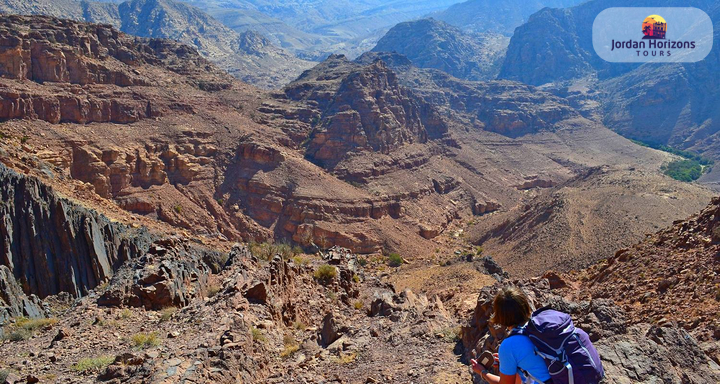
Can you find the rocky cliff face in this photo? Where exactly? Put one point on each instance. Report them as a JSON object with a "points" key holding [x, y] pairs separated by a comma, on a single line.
{"points": [[370, 110], [504, 107], [429, 43], [270, 67], [89, 57], [53, 245]]}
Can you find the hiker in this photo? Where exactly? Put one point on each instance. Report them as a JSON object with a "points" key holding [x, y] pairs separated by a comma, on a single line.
{"points": [[541, 347], [512, 309]]}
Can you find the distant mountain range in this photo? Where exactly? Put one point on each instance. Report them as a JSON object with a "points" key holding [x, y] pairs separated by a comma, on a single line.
{"points": [[250, 57], [669, 104], [430, 43], [500, 16]]}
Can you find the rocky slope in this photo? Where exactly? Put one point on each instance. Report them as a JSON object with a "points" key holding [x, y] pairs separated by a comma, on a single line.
{"points": [[671, 98], [429, 43], [179, 311], [248, 56], [178, 142], [134, 213], [495, 16]]}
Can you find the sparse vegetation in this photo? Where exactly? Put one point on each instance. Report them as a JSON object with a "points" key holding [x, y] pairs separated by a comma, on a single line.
{"points": [[450, 334], [347, 358], [125, 314], [145, 340], [266, 251], [679, 152], [212, 290], [299, 260], [686, 170], [94, 364], [33, 325], [257, 335], [24, 328], [17, 335], [299, 325], [325, 274], [167, 313], [291, 346], [395, 260]]}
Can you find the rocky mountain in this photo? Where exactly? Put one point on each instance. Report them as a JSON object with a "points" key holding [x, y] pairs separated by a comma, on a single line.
{"points": [[248, 56], [671, 98], [429, 43], [496, 16], [132, 166]]}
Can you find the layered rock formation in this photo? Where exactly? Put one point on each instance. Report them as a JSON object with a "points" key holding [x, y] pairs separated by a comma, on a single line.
{"points": [[262, 64]]}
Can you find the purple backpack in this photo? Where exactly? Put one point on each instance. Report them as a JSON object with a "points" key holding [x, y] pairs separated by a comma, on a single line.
{"points": [[570, 356]]}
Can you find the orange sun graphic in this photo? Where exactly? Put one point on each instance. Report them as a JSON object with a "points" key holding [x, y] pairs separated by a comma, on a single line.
{"points": [[654, 27]]}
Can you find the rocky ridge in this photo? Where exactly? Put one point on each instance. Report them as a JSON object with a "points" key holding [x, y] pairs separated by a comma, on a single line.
{"points": [[253, 59], [671, 98], [429, 43]]}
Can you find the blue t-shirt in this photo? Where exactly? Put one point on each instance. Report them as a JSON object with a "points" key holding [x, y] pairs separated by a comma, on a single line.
{"points": [[519, 351]]}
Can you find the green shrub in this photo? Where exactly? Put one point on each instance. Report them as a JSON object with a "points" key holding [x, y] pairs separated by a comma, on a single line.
{"points": [[145, 340], [299, 260], [395, 260], [167, 313], [683, 170], [212, 291], [299, 325], [291, 346], [257, 335], [325, 274], [94, 364], [17, 335], [125, 314], [34, 324]]}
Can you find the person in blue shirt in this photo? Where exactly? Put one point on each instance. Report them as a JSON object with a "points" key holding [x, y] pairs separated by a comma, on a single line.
{"points": [[517, 359]]}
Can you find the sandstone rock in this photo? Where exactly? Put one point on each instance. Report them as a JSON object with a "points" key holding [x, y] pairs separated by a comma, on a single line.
{"points": [[257, 293], [555, 280], [330, 331]]}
